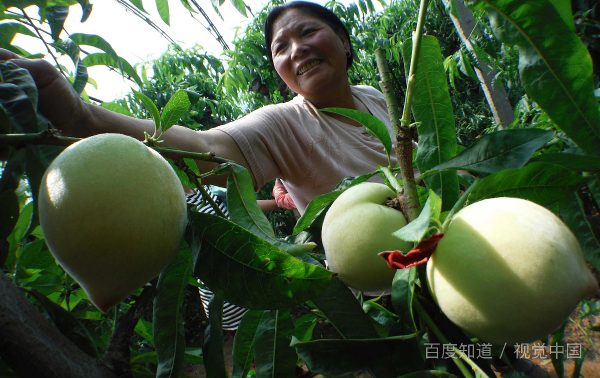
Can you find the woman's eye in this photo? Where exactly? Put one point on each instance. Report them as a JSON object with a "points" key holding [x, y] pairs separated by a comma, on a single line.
{"points": [[279, 48], [308, 31]]}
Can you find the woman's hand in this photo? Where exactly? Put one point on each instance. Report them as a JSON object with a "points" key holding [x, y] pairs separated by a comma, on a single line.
{"points": [[57, 99]]}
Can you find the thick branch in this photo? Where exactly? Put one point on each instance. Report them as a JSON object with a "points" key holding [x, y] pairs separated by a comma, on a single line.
{"points": [[409, 199], [33, 347]]}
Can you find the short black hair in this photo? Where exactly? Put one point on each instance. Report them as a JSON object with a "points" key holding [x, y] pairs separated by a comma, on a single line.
{"points": [[312, 9]]}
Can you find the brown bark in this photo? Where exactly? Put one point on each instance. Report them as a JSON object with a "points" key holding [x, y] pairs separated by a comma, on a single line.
{"points": [[34, 347]]}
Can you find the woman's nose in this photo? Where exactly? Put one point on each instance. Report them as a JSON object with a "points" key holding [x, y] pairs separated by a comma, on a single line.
{"points": [[298, 49]]}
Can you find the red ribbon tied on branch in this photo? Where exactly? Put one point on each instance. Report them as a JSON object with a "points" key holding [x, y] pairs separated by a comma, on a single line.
{"points": [[418, 255]]}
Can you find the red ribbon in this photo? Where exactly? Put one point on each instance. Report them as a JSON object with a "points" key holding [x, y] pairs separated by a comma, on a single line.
{"points": [[418, 255]]}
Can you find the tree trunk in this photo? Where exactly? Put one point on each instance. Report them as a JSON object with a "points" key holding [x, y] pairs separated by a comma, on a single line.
{"points": [[496, 96], [34, 347]]}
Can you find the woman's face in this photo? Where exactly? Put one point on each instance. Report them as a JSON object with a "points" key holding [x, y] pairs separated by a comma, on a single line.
{"points": [[308, 54]]}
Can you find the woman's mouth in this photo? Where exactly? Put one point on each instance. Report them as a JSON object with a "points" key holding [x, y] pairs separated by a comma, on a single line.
{"points": [[307, 67]]}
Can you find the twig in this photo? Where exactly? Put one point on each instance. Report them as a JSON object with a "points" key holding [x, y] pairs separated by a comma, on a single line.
{"points": [[118, 354], [50, 138], [45, 137]]}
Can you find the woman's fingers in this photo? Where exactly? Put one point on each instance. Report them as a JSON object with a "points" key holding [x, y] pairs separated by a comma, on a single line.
{"points": [[57, 99], [7, 55]]}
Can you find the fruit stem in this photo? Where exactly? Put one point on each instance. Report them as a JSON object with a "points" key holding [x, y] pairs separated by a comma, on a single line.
{"points": [[458, 205], [206, 197], [389, 175], [444, 340]]}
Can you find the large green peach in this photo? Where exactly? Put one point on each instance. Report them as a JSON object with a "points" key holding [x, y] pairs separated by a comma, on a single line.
{"points": [[356, 228], [113, 213], [508, 271]]}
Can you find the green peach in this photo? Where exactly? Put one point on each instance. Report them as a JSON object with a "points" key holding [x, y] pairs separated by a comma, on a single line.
{"points": [[113, 213], [356, 228], [508, 271]]}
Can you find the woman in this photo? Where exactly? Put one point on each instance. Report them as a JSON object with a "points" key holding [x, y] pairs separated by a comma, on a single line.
{"points": [[308, 150]]}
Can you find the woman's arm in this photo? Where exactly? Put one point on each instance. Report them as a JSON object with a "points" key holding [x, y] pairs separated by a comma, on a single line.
{"points": [[73, 117], [100, 120]]}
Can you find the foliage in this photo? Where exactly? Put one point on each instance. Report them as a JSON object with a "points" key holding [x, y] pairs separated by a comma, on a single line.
{"points": [[190, 70], [549, 156]]}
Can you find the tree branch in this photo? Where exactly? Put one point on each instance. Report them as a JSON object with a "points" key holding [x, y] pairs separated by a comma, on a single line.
{"points": [[49, 137], [34, 347], [409, 199], [118, 355]]}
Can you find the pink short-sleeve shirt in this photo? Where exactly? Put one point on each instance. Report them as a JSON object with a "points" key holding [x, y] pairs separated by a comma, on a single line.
{"points": [[308, 150]]}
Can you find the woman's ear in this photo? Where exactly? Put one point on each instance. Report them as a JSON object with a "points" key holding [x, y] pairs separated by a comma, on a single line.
{"points": [[344, 39]]}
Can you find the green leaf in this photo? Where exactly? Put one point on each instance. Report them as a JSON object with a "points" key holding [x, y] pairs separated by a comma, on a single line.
{"points": [[573, 214], [144, 328], [542, 183], [273, 355], [594, 187], [337, 357], [575, 162], [265, 278], [56, 18], [13, 74], [8, 30], [169, 332], [114, 107], [506, 149], [555, 66], [175, 109], [244, 211], [151, 108], [9, 203], [138, 4], [34, 255], [243, 344], [72, 50], [319, 204], [145, 358], [104, 59], [343, 311], [563, 7], [19, 232], [212, 348], [403, 290], [67, 324], [15, 103], [38, 159], [94, 41], [315, 208], [373, 124], [304, 326], [86, 10], [183, 177], [163, 10], [432, 108], [465, 65], [194, 355], [557, 343], [429, 374], [415, 230]]}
